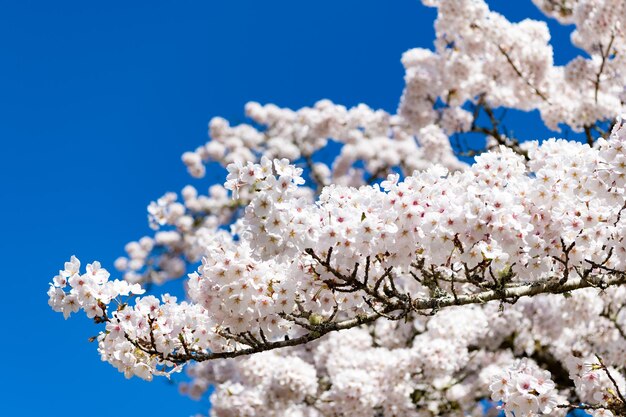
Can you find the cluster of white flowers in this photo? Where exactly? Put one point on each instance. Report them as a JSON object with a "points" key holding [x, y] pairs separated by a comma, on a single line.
{"points": [[593, 384], [182, 232], [381, 141], [166, 326], [499, 214], [241, 293], [479, 53], [300, 242], [90, 291], [524, 389]]}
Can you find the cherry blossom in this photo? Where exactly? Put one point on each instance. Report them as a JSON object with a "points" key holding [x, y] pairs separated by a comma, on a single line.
{"points": [[394, 278]]}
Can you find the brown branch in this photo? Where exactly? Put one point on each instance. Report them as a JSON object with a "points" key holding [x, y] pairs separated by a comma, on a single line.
{"points": [[419, 305], [608, 374], [494, 131], [605, 55], [321, 330], [588, 134], [377, 174], [548, 286], [519, 73], [319, 181]]}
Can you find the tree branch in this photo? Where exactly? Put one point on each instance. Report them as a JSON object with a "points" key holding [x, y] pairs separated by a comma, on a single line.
{"points": [[549, 286]]}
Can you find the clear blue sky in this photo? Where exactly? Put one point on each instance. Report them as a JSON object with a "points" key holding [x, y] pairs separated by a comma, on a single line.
{"points": [[98, 100]]}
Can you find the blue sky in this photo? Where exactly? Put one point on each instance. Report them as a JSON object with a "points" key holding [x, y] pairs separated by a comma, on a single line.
{"points": [[97, 103]]}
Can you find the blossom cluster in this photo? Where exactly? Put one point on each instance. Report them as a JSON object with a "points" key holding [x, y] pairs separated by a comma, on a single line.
{"points": [[500, 214], [133, 333], [479, 53], [525, 390], [375, 137], [182, 231], [90, 291], [593, 382]]}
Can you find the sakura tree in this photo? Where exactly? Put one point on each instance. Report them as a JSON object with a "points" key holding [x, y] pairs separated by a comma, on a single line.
{"points": [[395, 279]]}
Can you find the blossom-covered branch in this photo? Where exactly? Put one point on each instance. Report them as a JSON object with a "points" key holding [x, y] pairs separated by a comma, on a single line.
{"points": [[393, 279]]}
